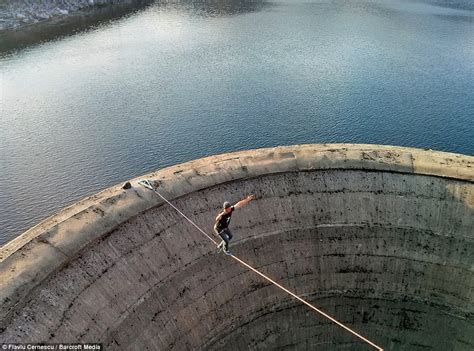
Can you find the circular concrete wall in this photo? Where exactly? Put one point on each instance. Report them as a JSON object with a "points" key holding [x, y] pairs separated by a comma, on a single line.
{"points": [[380, 237]]}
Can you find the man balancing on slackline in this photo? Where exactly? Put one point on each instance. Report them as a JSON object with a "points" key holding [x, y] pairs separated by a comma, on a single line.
{"points": [[221, 227]]}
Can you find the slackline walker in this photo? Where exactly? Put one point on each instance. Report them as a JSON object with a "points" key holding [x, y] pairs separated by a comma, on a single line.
{"points": [[146, 183]]}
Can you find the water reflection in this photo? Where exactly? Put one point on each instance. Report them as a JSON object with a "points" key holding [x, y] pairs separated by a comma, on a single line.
{"points": [[13, 40], [178, 81], [216, 8], [457, 10]]}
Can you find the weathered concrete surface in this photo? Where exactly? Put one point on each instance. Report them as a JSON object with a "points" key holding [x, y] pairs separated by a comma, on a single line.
{"points": [[380, 237]]}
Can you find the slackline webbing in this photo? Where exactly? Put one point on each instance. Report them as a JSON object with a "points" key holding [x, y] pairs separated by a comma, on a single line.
{"points": [[148, 185]]}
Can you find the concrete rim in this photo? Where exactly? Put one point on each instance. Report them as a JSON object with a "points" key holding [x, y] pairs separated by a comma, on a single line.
{"points": [[44, 249]]}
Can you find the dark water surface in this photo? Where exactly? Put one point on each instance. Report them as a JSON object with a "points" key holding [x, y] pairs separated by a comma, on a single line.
{"points": [[171, 83]]}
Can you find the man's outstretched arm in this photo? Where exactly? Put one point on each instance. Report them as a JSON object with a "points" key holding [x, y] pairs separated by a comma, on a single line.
{"points": [[244, 202]]}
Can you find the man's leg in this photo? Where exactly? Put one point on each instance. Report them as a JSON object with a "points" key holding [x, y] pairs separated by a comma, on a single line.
{"points": [[221, 244], [223, 235], [228, 235]]}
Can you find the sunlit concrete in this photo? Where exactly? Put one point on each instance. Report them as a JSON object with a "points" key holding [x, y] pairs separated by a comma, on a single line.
{"points": [[379, 237]]}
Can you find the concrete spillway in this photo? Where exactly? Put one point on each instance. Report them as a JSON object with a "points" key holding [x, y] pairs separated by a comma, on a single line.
{"points": [[381, 238]]}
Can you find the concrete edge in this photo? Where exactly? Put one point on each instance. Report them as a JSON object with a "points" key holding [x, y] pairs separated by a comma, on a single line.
{"points": [[44, 249]]}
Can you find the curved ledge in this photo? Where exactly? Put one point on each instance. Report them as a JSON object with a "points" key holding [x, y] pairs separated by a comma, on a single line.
{"points": [[39, 253]]}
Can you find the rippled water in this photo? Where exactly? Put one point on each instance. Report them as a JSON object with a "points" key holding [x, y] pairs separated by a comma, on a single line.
{"points": [[172, 83]]}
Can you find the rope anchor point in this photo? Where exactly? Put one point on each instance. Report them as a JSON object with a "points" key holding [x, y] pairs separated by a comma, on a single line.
{"points": [[146, 183]]}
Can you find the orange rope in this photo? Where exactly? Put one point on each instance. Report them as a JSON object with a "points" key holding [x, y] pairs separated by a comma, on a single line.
{"points": [[272, 281]]}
